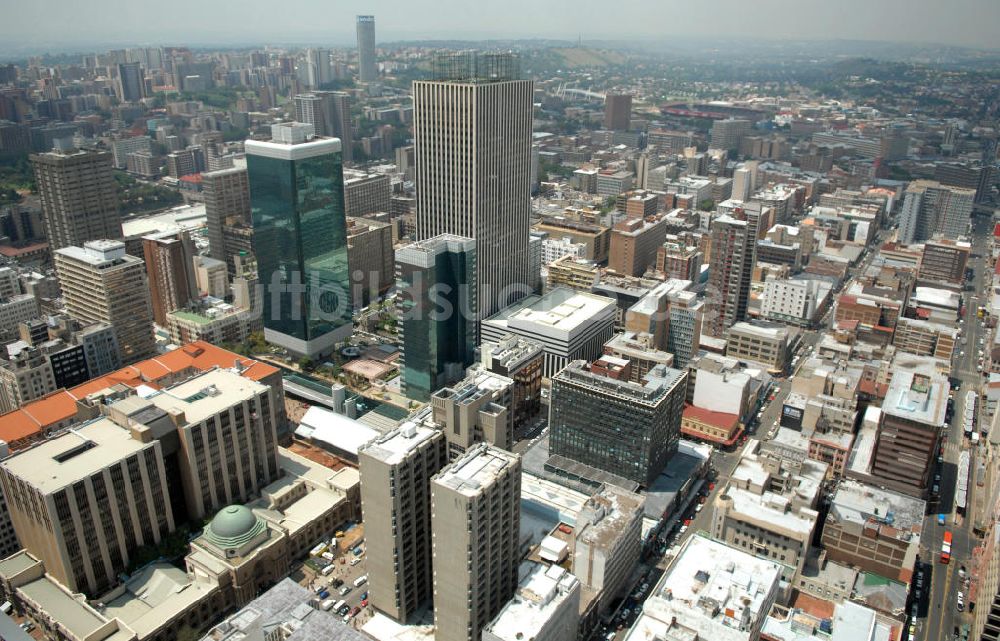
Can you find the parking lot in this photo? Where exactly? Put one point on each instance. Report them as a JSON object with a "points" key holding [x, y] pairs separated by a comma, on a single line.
{"points": [[349, 565]]}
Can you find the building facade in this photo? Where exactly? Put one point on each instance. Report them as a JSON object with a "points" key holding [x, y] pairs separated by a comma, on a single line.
{"points": [[101, 283], [300, 238], [79, 197], [472, 129], [475, 508], [438, 341], [620, 427]]}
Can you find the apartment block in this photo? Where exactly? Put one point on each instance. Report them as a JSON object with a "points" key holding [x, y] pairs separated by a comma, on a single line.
{"points": [[79, 197], [944, 261], [25, 376], [101, 283], [925, 338], [573, 273], [396, 471], [475, 525], [519, 359], [477, 409], [596, 238], [678, 260]]}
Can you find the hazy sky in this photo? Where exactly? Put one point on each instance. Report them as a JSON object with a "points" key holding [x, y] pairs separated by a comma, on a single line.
{"points": [[61, 24]]}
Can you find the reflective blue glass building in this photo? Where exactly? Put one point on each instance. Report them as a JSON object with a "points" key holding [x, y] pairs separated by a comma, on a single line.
{"points": [[436, 302], [300, 238]]}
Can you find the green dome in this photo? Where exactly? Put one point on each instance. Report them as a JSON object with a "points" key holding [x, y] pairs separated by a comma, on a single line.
{"points": [[233, 526]]}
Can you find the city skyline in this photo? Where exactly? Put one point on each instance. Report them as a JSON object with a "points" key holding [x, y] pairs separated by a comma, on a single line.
{"points": [[966, 23]]}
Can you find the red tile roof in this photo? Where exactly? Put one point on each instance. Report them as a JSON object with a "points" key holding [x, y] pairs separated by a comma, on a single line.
{"points": [[45, 412]]}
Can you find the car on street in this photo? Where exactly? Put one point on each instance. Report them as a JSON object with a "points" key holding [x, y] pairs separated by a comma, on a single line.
{"points": [[960, 602]]}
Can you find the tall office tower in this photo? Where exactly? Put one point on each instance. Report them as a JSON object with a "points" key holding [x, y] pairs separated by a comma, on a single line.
{"points": [[330, 113], [227, 207], [300, 238], [472, 127], [101, 283], [169, 260], [730, 272], [728, 134], [931, 208], [79, 198], [436, 280], [367, 64], [86, 501], [319, 71], [396, 471], [617, 426], [131, 86], [475, 508], [617, 111]]}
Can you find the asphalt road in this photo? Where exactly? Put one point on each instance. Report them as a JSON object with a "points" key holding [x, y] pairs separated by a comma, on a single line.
{"points": [[938, 617]]}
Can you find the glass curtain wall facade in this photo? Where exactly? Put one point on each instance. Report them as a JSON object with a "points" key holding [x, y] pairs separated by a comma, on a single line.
{"points": [[436, 279], [300, 241]]}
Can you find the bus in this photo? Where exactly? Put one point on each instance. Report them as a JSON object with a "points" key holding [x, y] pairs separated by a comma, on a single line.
{"points": [[946, 548]]}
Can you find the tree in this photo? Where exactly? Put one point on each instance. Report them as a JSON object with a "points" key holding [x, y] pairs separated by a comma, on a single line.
{"points": [[306, 364], [706, 205], [187, 633]]}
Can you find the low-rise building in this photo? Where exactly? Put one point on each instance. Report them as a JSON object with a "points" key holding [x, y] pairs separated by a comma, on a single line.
{"points": [[607, 542], [710, 591], [767, 344], [769, 506], [873, 529], [569, 325], [545, 607]]}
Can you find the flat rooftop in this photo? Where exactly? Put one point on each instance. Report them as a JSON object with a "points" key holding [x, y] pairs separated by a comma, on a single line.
{"points": [[74, 455], [859, 503], [394, 446], [917, 397], [561, 310], [541, 593], [710, 591], [207, 394], [478, 468]]}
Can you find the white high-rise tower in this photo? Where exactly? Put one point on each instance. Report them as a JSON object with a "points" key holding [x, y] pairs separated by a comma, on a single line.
{"points": [[472, 128]]}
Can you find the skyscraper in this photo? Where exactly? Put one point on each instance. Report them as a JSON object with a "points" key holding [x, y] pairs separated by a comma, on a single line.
{"points": [[227, 208], [475, 507], [170, 270], [330, 113], [367, 67], [617, 111], [472, 127], [300, 238], [100, 282], [728, 134], [79, 198], [730, 272], [131, 87], [396, 472], [438, 341]]}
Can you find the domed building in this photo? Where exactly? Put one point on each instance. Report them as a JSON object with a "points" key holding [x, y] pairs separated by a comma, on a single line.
{"points": [[235, 530], [244, 553]]}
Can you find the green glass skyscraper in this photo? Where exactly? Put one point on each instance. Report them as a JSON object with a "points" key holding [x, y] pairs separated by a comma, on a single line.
{"points": [[300, 238], [436, 279]]}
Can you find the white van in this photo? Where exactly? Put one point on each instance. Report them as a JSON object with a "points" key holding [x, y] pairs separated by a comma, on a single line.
{"points": [[338, 605], [361, 580], [326, 605], [328, 570]]}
